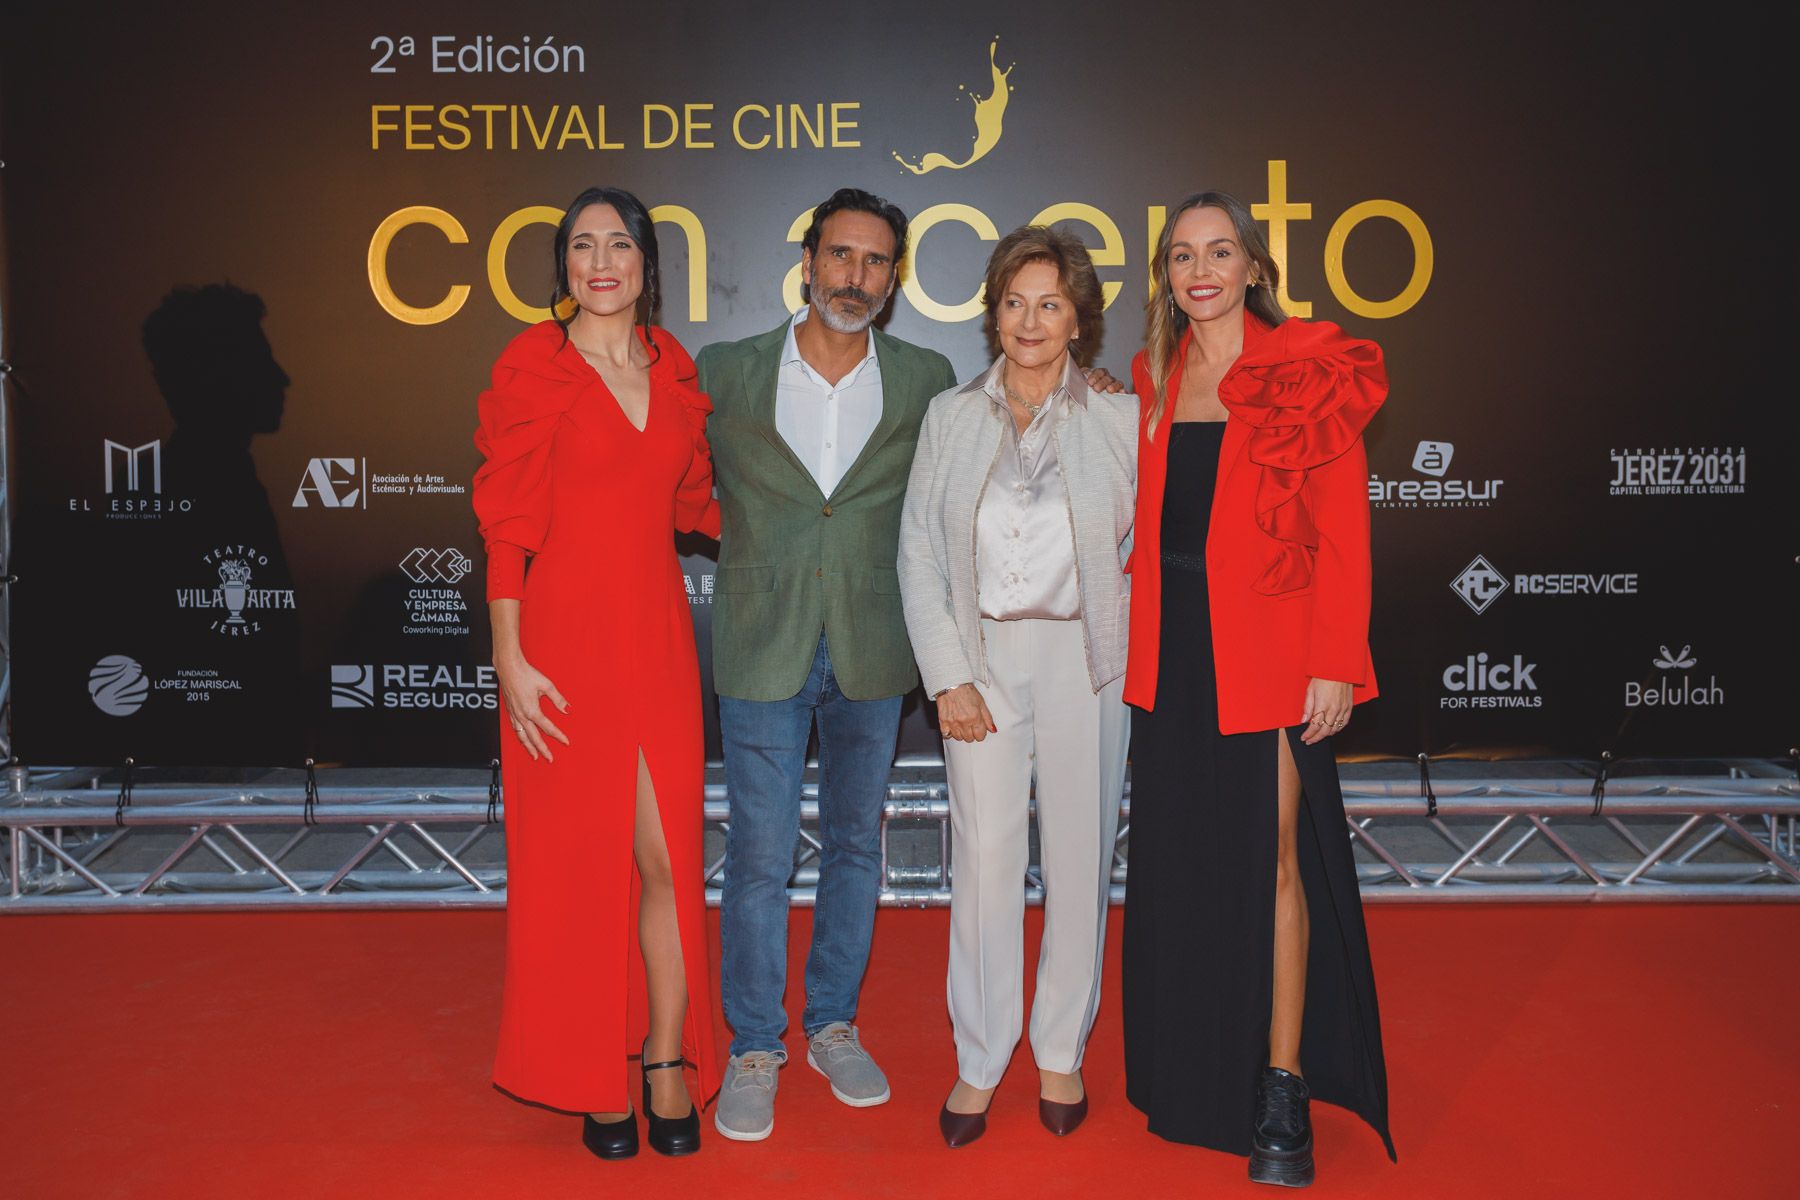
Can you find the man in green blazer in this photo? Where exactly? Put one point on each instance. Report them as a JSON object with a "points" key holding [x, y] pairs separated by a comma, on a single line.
{"points": [[812, 433]]}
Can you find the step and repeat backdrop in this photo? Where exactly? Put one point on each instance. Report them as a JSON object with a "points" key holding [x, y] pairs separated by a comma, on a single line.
{"points": [[259, 259]]}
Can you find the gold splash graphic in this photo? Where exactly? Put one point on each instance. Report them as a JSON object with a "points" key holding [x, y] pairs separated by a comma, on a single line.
{"points": [[989, 111]]}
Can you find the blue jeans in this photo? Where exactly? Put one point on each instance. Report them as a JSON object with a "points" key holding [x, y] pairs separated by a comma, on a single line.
{"points": [[765, 760]]}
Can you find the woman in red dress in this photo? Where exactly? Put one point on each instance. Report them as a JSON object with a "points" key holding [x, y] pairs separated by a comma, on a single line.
{"points": [[594, 436]]}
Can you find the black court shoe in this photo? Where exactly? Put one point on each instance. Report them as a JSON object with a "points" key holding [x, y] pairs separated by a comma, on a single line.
{"points": [[610, 1139], [672, 1136], [1281, 1150]]}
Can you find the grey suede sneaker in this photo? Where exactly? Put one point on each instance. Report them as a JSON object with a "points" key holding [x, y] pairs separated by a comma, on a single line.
{"points": [[746, 1108], [836, 1053]]}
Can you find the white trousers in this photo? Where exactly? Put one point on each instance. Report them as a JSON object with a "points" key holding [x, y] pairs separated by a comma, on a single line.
{"points": [[1052, 726]]}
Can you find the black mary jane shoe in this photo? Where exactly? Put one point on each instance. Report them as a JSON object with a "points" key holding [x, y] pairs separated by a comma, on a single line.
{"points": [[610, 1139], [673, 1136], [1282, 1145]]}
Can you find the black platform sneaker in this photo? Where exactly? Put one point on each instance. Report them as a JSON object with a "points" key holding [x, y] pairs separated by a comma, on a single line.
{"points": [[1281, 1152]]}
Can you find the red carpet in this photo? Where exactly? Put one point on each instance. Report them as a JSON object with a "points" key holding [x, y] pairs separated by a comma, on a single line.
{"points": [[1592, 1051]]}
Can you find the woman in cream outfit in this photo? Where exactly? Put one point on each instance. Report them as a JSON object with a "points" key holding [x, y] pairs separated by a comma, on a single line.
{"points": [[1015, 530]]}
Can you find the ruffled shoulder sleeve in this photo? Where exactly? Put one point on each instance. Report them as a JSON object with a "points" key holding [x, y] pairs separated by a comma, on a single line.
{"points": [[674, 370], [1308, 390], [518, 416]]}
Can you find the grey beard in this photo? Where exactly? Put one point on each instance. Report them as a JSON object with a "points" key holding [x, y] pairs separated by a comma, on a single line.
{"points": [[837, 321]]}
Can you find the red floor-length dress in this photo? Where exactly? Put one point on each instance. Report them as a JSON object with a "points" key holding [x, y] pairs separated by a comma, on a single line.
{"points": [[593, 503]]}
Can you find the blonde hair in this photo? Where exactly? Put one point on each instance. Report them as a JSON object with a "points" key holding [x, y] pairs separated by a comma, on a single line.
{"points": [[1164, 322]]}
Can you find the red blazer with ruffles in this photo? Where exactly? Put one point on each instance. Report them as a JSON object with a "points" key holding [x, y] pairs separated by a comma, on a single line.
{"points": [[537, 382], [1287, 546]]}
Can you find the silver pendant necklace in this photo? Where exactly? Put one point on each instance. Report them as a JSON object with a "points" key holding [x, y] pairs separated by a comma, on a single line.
{"points": [[1034, 409]]}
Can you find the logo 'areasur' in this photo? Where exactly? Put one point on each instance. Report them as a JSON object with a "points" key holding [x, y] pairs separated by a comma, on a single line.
{"points": [[1432, 460]]}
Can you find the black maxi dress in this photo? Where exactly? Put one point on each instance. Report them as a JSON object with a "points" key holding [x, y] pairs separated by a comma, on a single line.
{"points": [[1199, 938]]}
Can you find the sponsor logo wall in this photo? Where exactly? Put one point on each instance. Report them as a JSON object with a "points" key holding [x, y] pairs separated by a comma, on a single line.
{"points": [[243, 529]]}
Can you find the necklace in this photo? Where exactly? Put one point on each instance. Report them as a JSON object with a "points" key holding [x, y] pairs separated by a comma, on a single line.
{"points": [[1034, 409]]}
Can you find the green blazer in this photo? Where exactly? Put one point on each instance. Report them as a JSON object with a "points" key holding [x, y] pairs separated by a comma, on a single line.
{"points": [[794, 562]]}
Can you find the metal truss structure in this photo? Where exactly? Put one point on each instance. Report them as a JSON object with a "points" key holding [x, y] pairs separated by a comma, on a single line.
{"points": [[87, 843], [6, 576]]}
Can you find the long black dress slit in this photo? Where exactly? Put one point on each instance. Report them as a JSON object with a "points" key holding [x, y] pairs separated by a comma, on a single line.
{"points": [[1199, 938]]}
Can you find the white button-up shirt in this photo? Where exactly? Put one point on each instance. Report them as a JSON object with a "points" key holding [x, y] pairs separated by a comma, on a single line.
{"points": [[826, 424]]}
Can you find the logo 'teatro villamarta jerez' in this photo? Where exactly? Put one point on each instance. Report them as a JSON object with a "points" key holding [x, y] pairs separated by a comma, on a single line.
{"points": [[235, 565], [990, 111]]}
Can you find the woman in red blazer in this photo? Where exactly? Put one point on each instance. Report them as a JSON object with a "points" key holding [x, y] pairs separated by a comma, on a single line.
{"points": [[1244, 941]]}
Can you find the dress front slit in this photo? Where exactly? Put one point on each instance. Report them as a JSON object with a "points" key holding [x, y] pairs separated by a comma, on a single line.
{"points": [[1199, 932], [594, 503]]}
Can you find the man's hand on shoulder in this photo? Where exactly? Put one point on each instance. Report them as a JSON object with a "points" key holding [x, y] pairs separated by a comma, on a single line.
{"points": [[1100, 380]]}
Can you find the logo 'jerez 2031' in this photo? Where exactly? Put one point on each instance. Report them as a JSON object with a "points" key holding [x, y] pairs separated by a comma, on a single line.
{"points": [[1693, 471]]}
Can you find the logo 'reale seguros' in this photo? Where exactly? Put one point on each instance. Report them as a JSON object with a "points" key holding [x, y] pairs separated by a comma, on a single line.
{"points": [[413, 685]]}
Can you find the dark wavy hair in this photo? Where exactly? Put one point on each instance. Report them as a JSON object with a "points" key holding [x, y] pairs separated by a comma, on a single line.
{"points": [[642, 230], [855, 200]]}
